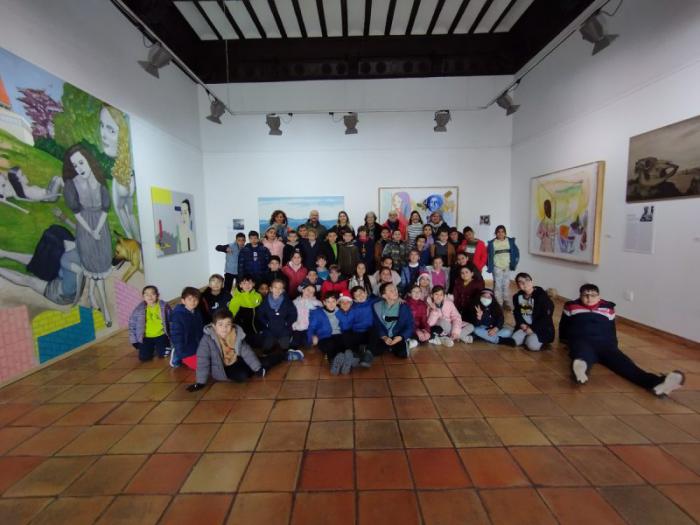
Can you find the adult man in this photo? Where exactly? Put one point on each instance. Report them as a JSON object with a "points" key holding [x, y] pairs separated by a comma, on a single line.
{"points": [[314, 224]]}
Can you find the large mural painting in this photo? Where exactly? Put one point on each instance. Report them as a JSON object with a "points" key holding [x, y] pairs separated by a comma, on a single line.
{"points": [[70, 249]]}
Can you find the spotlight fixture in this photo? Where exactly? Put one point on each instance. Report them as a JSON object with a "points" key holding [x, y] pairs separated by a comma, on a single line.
{"points": [[593, 31], [350, 120], [506, 102], [274, 122], [157, 58], [442, 117], [217, 109]]}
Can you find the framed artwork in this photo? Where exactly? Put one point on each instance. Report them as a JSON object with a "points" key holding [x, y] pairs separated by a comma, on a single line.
{"points": [[565, 213], [297, 210], [665, 163], [71, 269], [174, 221], [425, 201]]}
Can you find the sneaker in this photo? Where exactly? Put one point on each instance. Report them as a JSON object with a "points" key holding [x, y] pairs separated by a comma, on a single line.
{"points": [[412, 343], [337, 363], [467, 339], [671, 382], [295, 355], [367, 358], [508, 341], [579, 367], [261, 372], [174, 363], [447, 341], [347, 363], [167, 352], [435, 340]]}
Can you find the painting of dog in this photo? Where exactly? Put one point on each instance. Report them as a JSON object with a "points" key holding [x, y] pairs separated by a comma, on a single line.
{"points": [[127, 251]]}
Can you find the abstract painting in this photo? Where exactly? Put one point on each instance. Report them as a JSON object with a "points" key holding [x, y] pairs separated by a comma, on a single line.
{"points": [[70, 243], [297, 210], [665, 163], [423, 200], [173, 218], [565, 213]]}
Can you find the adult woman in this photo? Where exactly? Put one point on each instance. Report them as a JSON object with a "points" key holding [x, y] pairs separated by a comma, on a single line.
{"points": [[374, 229], [415, 228], [466, 289], [278, 219], [114, 136], [87, 197], [343, 223]]}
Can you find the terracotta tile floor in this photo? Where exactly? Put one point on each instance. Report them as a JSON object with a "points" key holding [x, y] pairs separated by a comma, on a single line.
{"points": [[470, 434]]}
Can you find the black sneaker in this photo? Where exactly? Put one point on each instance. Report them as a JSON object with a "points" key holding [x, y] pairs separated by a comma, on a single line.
{"points": [[366, 359]]}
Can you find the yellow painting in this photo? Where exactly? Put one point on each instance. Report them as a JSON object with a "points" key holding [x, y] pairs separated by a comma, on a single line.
{"points": [[565, 213]]}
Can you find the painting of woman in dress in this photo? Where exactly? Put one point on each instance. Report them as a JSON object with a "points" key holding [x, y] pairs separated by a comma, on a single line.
{"points": [[86, 195], [114, 136], [401, 204], [546, 231]]}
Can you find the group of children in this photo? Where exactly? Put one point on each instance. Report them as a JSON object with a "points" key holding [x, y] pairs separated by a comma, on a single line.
{"points": [[377, 295]]}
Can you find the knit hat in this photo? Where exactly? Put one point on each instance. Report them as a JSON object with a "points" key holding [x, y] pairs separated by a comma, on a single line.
{"points": [[344, 296], [488, 291]]}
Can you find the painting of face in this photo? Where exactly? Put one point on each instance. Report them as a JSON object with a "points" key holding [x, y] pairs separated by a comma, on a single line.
{"points": [[185, 212], [424, 200], [80, 166], [109, 133]]}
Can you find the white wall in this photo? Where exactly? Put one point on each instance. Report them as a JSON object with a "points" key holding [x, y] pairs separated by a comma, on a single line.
{"points": [[576, 109], [91, 45], [315, 157]]}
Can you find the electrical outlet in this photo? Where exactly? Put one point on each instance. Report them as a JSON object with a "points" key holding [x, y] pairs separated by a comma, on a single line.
{"points": [[629, 295]]}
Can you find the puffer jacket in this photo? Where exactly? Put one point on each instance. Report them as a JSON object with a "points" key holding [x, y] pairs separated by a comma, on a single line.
{"points": [[210, 361], [137, 321], [447, 311]]}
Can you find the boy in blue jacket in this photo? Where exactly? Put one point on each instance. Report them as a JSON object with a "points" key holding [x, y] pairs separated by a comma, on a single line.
{"points": [[361, 323], [232, 252], [326, 333], [186, 327], [254, 257], [276, 315], [588, 326], [393, 323]]}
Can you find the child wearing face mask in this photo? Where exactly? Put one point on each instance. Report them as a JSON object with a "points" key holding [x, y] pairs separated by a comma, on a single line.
{"points": [[588, 327], [488, 320], [446, 325]]}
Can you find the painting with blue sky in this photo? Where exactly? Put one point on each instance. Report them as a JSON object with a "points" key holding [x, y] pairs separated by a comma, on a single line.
{"points": [[297, 209]]}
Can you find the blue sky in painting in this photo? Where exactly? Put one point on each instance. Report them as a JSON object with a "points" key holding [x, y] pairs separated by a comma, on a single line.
{"points": [[297, 209]]}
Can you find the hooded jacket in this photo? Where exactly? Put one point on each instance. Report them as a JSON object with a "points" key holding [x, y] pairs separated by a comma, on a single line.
{"points": [[242, 306], [447, 311], [304, 308], [404, 324], [137, 321], [185, 331], [253, 260], [542, 312], [294, 279], [210, 361]]}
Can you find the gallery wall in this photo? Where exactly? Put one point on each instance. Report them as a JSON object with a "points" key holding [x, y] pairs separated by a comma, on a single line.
{"points": [[91, 45], [577, 108], [396, 148]]}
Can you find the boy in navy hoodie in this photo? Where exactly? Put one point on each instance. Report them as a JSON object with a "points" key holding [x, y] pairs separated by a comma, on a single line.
{"points": [[362, 323], [588, 326], [254, 257], [186, 327]]}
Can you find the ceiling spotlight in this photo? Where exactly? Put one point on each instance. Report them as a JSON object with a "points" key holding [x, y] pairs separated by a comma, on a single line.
{"points": [[274, 122], [157, 58], [217, 109], [506, 102], [442, 117], [350, 120], [593, 31]]}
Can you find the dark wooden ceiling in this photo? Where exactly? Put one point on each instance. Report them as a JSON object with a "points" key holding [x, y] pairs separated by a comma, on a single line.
{"points": [[280, 40]]}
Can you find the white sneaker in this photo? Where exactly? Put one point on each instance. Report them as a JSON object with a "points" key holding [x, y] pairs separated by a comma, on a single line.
{"points": [[412, 343], [435, 341], [467, 339], [671, 382], [579, 367], [447, 341]]}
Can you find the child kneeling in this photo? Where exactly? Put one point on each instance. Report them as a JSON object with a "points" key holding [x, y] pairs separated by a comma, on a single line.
{"points": [[224, 354], [446, 325], [149, 325]]}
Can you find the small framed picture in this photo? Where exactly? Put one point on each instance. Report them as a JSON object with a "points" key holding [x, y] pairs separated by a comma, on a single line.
{"points": [[238, 224], [485, 220]]}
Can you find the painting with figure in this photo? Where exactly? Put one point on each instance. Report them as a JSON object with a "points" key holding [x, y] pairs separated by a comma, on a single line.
{"points": [[423, 200], [70, 253], [297, 210], [173, 218], [665, 163], [565, 213]]}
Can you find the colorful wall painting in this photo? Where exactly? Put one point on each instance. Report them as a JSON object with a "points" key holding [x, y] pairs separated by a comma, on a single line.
{"points": [[70, 252], [423, 200], [173, 218], [297, 210], [565, 213], [665, 163]]}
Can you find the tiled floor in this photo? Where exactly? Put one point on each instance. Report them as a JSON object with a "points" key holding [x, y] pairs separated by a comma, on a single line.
{"points": [[470, 434]]}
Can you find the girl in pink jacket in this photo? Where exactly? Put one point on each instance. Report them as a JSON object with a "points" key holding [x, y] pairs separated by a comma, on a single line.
{"points": [[272, 243], [304, 304], [445, 323]]}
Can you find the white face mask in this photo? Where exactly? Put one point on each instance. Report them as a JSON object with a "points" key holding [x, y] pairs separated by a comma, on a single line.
{"points": [[486, 301]]}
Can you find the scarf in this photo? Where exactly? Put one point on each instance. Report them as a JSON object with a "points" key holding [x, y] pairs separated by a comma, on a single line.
{"points": [[389, 317], [228, 354], [275, 303]]}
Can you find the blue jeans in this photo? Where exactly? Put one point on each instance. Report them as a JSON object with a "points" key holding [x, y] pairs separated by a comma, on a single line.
{"points": [[483, 333]]}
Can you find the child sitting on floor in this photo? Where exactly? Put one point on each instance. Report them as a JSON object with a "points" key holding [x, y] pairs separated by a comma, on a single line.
{"points": [[488, 320], [393, 324], [214, 298], [588, 326], [419, 310], [325, 332], [225, 355], [304, 304], [275, 316], [446, 325], [334, 283], [149, 325], [185, 326], [532, 309]]}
